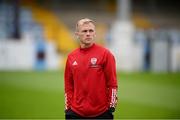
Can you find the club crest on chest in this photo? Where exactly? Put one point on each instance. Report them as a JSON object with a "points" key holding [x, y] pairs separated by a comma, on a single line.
{"points": [[93, 61]]}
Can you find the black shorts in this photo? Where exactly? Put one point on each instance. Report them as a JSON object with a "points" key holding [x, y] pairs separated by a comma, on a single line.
{"points": [[69, 114]]}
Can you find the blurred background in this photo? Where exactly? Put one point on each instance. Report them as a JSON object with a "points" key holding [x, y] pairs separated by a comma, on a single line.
{"points": [[37, 35]]}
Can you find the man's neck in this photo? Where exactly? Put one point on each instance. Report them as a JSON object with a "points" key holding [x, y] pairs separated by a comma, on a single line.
{"points": [[86, 45]]}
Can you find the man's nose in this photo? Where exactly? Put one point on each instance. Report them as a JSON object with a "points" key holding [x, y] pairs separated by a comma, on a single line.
{"points": [[88, 33]]}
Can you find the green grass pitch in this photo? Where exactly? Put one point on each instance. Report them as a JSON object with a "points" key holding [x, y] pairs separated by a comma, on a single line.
{"points": [[40, 95]]}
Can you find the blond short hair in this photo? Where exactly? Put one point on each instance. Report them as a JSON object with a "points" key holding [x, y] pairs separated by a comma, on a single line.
{"points": [[83, 21]]}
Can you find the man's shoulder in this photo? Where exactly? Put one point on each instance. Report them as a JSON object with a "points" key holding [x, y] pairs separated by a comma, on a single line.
{"points": [[73, 52], [102, 48]]}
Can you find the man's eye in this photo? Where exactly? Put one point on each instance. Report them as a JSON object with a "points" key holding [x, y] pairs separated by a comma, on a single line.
{"points": [[91, 30], [84, 31]]}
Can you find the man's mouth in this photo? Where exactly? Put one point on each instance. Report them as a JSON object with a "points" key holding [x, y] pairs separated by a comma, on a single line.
{"points": [[88, 38]]}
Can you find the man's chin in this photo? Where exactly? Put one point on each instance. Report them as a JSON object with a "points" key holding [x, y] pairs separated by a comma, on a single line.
{"points": [[88, 43]]}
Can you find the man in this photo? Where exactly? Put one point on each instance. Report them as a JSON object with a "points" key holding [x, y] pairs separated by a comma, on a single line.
{"points": [[90, 77]]}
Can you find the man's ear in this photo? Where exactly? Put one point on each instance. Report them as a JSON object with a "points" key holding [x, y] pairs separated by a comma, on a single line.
{"points": [[95, 35], [77, 35]]}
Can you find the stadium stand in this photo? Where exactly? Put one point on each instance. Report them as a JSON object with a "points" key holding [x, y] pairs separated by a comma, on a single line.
{"points": [[54, 23], [33, 50], [54, 29]]}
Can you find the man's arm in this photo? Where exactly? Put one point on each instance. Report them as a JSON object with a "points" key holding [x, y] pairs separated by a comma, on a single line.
{"points": [[110, 73], [69, 87]]}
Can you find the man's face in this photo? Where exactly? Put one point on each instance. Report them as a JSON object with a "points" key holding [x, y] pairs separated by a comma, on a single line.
{"points": [[86, 33]]}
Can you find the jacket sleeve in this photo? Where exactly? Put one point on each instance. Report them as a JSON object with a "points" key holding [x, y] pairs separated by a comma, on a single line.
{"points": [[69, 87], [110, 74]]}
